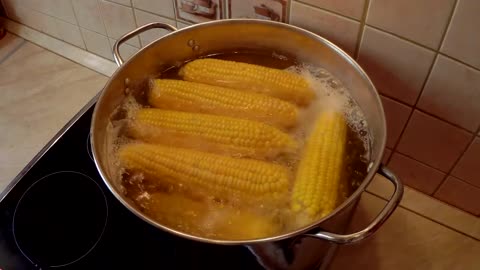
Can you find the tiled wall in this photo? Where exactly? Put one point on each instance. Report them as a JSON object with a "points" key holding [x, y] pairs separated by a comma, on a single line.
{"points": [[423, 56]]}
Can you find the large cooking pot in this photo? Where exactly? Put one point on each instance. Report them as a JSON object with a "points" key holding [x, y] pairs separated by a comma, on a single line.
{"points": [[228, 35]]}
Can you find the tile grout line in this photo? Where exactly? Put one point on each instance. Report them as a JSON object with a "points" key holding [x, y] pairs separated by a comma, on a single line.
{"points": [[175, 13], [45, 33], [463, 181], [449, 24], [429, 218], [134, 7], [449, 173], [401, 37], [100, 10], [35, 42], [431, 167], [419, 161], [450, 170], [361, 30], [57, 18], [113, 2], [13, 51], [78, 25], [151, 13], [329, 11], [459, 61], [427, 113], [429, 73], [424, 47], [361, 21], [86, 47], [136, 25], [58, 39]]}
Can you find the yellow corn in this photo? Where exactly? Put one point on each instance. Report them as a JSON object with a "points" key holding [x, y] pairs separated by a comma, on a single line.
{"points": [[208, 174], [207, 218], [212, 133], [204, 98], [274, 82], [319, 174]]}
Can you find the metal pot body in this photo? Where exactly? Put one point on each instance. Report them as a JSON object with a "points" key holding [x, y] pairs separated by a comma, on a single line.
{"points": [[229, 35]]}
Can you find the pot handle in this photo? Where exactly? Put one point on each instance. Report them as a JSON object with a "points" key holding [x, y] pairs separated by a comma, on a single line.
{"points": [[376, 223], [129, 35]]}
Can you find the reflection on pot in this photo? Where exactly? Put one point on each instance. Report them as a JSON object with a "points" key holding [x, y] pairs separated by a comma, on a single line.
{"points": [[204, 8]]}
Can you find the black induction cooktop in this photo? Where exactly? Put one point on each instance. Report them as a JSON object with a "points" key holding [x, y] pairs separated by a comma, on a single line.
{"points": [[59, 214]]}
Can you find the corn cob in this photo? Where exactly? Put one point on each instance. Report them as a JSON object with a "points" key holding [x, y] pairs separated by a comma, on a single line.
{"points": [[197, 97], [319, 174], [274, 82], [219, 134], [207, 218], [207, 174]]}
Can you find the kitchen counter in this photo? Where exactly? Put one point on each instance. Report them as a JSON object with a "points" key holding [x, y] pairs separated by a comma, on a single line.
{"points": [[41, 91]]}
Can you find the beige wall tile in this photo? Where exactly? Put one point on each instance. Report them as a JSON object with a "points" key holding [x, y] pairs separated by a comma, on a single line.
{"points": [[75, 54], [61, 9], [153, 34], [462, 40], [430, 207], [17, 10], [460, 194], [453, 93], [397, 67], [70, 33], [44, 6], [123, 2], [118, 20], [42, 22], [33, 4], [396, 115], [339, 30], [406, 241], [97, 43], [468, 168], [8, 44], [181, 25], [432, 141], [126, 51], [88, 15], [386, 155], [350, 8], [415, 174], [160, 7], [421, 21]]}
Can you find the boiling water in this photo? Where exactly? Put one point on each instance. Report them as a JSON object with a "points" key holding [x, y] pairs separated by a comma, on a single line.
{"points": [[205, 216]]}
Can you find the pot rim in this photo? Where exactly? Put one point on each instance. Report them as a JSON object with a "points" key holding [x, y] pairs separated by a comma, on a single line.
{"points": [[372, 167]]}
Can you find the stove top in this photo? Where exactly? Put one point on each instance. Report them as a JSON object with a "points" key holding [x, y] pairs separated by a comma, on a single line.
{"points": [[58, 213]]}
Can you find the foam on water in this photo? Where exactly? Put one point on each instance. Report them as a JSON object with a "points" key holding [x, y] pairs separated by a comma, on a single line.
{"points": [[332, 95]]}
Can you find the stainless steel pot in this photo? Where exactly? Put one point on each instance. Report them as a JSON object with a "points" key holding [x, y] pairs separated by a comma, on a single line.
{"points": [[227, 35]]}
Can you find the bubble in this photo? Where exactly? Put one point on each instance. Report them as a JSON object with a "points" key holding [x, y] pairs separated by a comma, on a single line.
{"points": [[331, 95]]}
